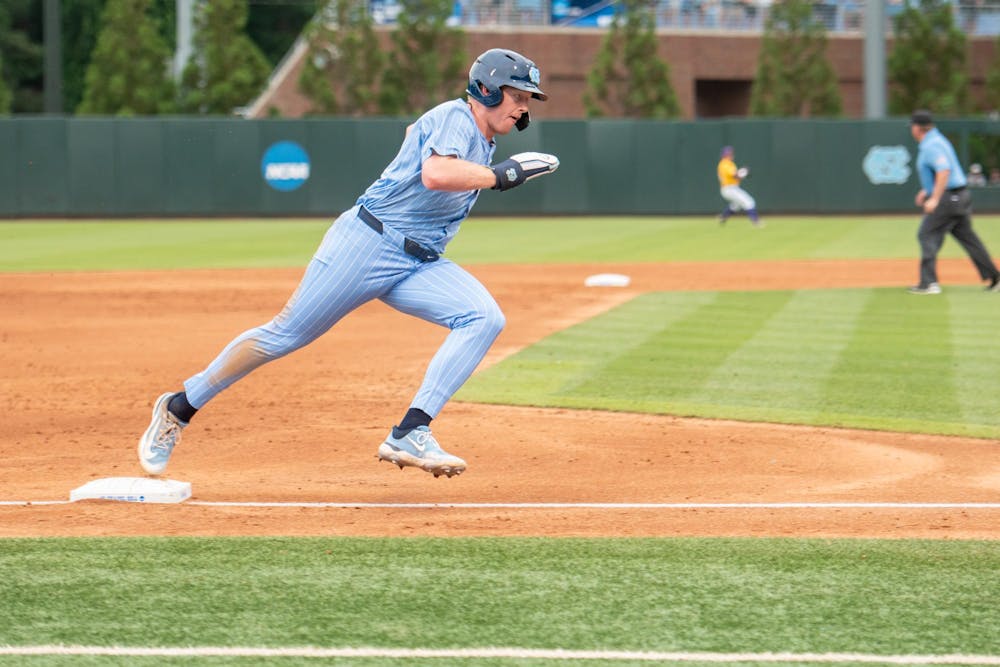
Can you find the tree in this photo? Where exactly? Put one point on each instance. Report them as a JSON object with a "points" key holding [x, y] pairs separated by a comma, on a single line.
{"points": [[794, 77], [428, 61], [344, 60], [4, 93], [80, 27], [928, 61], [628, 77], [21, 46], [226, 70], [274, 26], [129, 72], [81, 23]]}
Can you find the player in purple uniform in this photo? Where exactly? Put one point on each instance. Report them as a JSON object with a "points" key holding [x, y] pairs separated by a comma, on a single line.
{"points": [[388, 246]]}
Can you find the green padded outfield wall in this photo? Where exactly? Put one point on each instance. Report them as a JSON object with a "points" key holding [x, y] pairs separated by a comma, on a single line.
{"points": [[111, 167]]}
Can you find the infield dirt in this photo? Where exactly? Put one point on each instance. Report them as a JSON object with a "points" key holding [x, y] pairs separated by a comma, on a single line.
{"points": [[83, 355]]}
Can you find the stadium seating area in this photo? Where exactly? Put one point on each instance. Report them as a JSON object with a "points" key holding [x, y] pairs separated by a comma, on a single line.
{"points": [[975, 17]]}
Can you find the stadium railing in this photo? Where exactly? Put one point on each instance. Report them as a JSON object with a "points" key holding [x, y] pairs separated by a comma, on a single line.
{"points": [[975, 17]]}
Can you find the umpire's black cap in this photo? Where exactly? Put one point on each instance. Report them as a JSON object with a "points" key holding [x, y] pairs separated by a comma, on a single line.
{"points": [[921, 117]]}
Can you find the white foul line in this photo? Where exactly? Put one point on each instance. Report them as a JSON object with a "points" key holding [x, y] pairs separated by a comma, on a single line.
{"points": [[603, 506], [500, 652], [542, 506]]}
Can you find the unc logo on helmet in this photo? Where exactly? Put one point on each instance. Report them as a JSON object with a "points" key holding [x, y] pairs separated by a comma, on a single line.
{"points": [[534, 75], [497, 68]]}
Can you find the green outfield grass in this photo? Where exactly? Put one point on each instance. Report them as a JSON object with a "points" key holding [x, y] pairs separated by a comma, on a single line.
{"points": [[868, 358], [117, 245], [176, 244], [711, 595]]}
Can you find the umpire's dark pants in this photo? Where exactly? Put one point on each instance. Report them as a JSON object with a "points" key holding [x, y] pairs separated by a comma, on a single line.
{"points": [[952, 215]]}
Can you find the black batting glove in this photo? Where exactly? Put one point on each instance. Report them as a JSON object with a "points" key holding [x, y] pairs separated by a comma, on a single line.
{"points": [[509, 173], [523, 167]]}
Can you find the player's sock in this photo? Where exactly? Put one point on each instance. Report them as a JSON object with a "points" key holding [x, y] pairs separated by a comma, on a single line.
{"points": [[753, 215], [180, 408], [414, 417], [726, 212]]}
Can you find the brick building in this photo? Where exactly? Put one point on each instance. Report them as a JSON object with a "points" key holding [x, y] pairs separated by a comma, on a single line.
{"points": [[712, 71]]}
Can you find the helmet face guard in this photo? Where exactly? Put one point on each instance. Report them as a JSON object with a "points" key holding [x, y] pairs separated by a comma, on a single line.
{"points": [[498, 68]]}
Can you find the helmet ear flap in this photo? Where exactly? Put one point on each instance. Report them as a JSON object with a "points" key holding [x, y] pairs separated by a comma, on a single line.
{"points": [[490, 98]]}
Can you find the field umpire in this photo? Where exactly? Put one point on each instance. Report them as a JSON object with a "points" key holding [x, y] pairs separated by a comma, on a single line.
{"points": [[947, 205]]}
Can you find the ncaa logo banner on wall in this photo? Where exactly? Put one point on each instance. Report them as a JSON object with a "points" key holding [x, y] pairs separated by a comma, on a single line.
{"points": [[285, 166]]}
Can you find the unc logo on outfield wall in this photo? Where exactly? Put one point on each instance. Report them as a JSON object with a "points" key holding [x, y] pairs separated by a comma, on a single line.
{"points": [[285, 166], [887, 164]]}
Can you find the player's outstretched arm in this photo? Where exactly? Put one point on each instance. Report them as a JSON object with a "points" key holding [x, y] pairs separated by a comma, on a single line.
{"points": [[523, 167], [451, 174]]}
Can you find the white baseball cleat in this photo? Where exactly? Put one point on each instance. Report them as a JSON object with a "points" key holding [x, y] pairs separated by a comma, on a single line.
{"points": [[158, 442], [419, 449]]}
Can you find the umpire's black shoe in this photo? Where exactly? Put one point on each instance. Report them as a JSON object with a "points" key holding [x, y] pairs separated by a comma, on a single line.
{"points": [[994, 285]]}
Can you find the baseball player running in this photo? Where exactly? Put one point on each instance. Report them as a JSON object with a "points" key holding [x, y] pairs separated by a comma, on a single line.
{"points": [[737, 199], [388, 246]]}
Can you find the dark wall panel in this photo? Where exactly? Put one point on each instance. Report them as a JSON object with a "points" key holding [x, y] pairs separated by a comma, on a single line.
{"points": [[213, 167], [236, 152], [10, 170], [141, 161], [92, 169], [43, 183]]}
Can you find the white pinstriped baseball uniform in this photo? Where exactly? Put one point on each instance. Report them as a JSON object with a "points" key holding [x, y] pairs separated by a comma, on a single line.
{"points": [[355, 264]]}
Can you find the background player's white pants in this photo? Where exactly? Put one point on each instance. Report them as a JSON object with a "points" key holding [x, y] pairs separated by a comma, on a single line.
{"points": [[352, 266], [738, 198]]}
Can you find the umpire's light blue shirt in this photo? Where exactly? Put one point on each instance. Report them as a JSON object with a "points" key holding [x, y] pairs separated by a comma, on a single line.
{"points": [[400, 200], [935, 154]]}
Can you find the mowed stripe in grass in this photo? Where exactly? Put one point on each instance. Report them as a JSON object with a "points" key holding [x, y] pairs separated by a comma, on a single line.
{"points": [[865, 358], [911, 370]]}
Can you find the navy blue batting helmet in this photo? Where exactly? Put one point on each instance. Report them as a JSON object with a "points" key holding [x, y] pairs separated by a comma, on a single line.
{"points": [[500, 67]]}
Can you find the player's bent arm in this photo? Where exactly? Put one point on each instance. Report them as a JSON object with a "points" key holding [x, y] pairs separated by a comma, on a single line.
{"points": [[449, 173]]}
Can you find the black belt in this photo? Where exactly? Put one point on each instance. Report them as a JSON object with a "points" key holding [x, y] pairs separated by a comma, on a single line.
{"points": [[961, 189], [410, 247]]}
